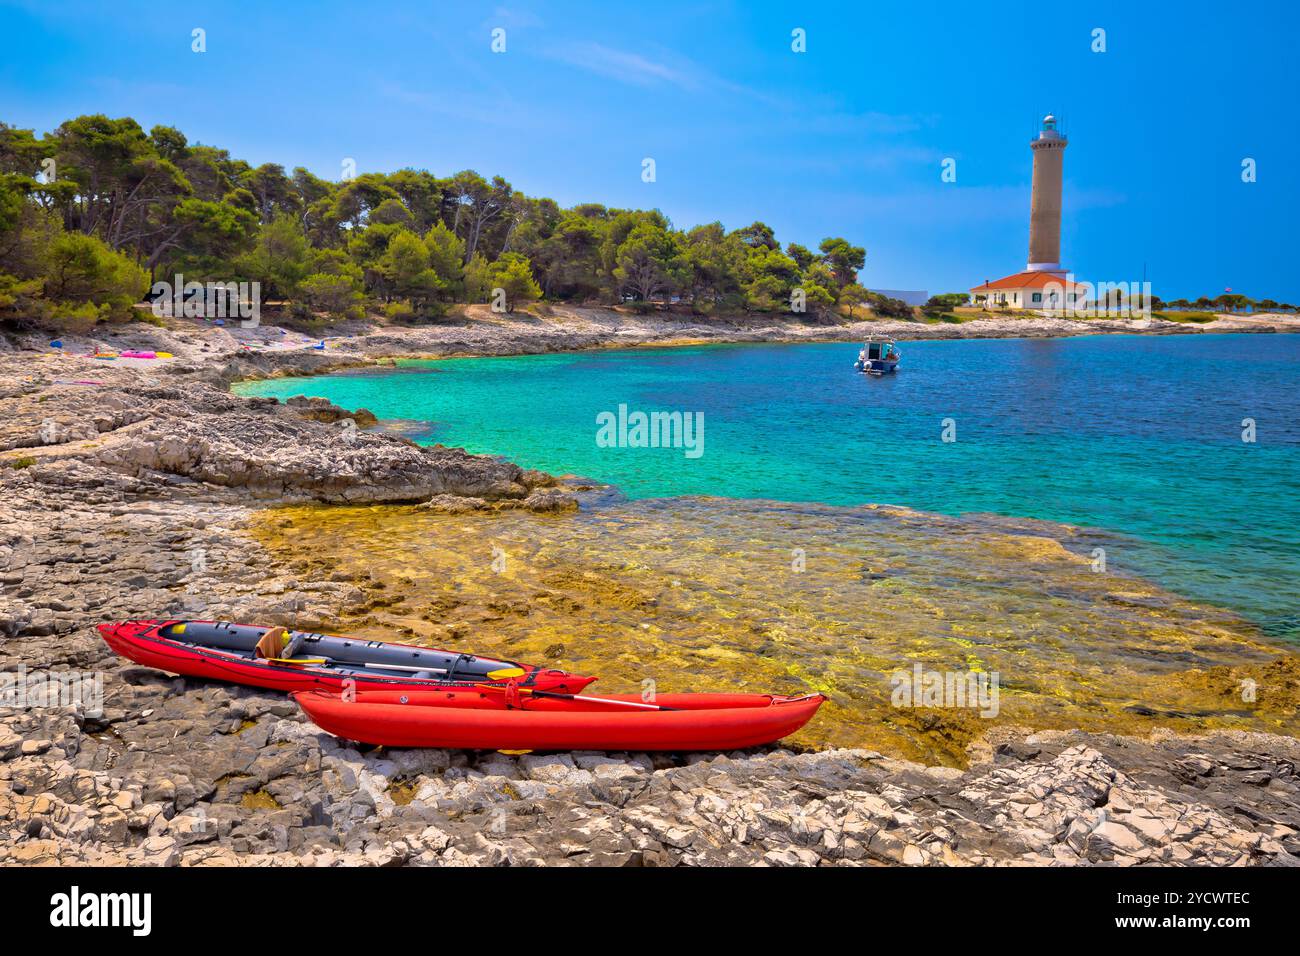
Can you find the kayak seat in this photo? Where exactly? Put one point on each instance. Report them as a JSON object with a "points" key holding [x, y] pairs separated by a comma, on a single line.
{"points": [[295, 644]]}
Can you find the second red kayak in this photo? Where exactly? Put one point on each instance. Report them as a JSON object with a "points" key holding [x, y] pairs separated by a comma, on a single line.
{"points": [[493, 720]]}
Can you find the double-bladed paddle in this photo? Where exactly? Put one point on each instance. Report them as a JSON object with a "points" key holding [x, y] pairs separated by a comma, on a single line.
{"points": [[580, 697]]}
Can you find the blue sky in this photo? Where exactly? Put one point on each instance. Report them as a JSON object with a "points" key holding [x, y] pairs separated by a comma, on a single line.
{"points": [[846, 139]]}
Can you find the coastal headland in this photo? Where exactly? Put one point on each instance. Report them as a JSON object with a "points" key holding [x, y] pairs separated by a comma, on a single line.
{"points": [[145, 488]]}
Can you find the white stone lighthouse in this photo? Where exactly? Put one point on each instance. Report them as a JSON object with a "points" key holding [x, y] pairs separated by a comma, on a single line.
{"points": [[1045, 206]]}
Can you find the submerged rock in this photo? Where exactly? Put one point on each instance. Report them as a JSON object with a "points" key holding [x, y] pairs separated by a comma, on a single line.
{"points": [[454, 504], [550, 500]]}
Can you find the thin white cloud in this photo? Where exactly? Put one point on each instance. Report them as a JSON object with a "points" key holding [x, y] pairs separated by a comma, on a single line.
{"points": [[867, 158], [623, 65], [885, 124]]}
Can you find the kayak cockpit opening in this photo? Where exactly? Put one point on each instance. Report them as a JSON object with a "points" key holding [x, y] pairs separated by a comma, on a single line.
{"points": [[293, 660], [281, 645]]}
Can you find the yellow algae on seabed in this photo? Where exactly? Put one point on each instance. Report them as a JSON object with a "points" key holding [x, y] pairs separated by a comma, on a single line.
{"points": [[697, 594]]}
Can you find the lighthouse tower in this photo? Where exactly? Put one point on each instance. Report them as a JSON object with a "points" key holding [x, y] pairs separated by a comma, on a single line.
{"points": [[1045, 207], [1044, 286]]}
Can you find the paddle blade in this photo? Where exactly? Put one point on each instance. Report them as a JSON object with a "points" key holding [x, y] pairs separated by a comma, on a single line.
{"points": [[506, 672]]}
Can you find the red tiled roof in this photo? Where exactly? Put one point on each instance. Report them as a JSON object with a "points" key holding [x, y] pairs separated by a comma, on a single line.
{"points": [[1027, 280]]}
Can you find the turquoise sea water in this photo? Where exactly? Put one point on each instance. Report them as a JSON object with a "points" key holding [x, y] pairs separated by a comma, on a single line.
{"points": [[1138, 436]]}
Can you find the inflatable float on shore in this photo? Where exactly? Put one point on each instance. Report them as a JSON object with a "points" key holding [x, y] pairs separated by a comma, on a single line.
{"points": [[219, 650], [499, 718]]}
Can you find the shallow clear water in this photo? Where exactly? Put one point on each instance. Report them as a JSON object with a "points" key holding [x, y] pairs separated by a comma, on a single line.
{"points": [[717, 594], [1139, 436]]}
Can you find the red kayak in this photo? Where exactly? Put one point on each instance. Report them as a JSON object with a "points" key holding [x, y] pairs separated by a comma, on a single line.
{"points": [[513, 719], [219, 650]]}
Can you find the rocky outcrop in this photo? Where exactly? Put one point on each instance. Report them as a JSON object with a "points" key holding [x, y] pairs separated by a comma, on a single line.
{"points": [[306, 449], [323, 410], [297, 462]]}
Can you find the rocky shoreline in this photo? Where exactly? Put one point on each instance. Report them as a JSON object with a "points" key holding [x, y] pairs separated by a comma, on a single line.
{"points": [[221, 354], [127, 487]]}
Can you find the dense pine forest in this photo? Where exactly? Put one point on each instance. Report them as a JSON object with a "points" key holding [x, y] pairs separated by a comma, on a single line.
{"points": [[92, 212]]}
